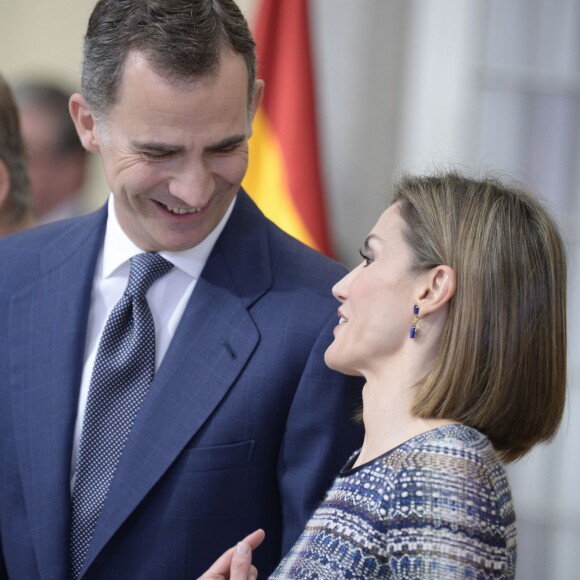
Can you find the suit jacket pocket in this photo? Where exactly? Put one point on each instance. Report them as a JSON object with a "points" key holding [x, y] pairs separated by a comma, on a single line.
{"points": [[218, 457]]}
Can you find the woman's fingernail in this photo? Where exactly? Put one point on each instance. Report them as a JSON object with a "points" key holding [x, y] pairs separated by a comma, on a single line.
{"points": [[243, 548]]}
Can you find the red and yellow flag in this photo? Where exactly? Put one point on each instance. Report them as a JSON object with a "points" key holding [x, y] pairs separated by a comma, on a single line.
{"points": [[284, 176]]}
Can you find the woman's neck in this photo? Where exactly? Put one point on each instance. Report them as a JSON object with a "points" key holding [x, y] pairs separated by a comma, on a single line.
{"points": [[388, 419]]}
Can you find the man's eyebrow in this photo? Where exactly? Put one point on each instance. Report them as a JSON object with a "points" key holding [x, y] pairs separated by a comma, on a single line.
{"points": [[227, 143], [157, 146], [160, 147]]}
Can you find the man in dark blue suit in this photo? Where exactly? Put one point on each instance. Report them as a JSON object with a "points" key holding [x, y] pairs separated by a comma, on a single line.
{"points": [[242, 425]]}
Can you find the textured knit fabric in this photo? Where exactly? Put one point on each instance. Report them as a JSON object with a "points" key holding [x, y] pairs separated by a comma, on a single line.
{"points": [[437, 506]]}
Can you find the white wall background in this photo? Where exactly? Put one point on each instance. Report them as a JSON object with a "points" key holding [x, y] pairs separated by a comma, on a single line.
{"points": [[408, 85]]}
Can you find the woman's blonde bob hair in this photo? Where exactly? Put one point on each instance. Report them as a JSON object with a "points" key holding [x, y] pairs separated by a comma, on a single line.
{"points": [[501, 364]]}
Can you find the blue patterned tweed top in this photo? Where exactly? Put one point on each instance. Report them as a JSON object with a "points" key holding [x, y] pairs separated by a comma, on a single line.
{"points": [[437, 506]]}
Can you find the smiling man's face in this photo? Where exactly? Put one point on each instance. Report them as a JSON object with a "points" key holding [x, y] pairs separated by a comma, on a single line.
{"points": [[174, 154]]}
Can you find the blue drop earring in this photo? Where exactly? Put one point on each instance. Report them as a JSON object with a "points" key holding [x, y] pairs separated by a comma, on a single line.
{"points": [[414, 322]]}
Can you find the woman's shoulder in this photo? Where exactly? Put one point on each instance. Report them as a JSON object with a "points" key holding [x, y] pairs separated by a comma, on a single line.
{"points": [[456, 446], [453, 468], [455, 450], [449, 494]]}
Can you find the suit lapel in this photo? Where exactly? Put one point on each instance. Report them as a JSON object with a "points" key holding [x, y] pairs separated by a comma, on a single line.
{"points": [[47, 332], [213, 342]]}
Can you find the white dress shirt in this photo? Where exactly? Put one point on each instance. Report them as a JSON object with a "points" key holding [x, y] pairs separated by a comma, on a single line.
{"points": [[167, 297]]}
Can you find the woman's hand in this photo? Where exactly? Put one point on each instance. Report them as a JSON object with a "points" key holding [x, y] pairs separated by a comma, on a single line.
{"points": [[236, 563]]}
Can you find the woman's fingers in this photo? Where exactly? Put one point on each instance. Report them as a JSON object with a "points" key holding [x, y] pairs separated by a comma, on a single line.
{"points": [[241, 562], [241, 566], [255, 539], [236, 563]]}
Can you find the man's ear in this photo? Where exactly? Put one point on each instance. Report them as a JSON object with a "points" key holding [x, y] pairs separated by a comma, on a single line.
{"points": [[440, 286], [258, 96], [5, 182], [84, 121]]}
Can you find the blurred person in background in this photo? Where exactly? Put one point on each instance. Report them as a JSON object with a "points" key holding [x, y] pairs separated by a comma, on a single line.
{"points": [[57, 162], [15, 207]]}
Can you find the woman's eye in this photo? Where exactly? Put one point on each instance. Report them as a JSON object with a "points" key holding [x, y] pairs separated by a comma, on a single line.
{"points": [[367, 259]]}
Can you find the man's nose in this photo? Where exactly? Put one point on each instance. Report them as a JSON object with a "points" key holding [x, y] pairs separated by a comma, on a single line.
{"points": [[192, 183]]}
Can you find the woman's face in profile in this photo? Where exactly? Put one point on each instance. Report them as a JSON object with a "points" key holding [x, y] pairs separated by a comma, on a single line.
{"points": [[377, 300]]}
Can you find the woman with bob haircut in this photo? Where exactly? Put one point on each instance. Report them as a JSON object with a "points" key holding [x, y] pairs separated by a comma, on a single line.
{"points": [[456, 318]]}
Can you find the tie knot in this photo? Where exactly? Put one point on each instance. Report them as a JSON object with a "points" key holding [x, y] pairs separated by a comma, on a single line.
{"points": [[145, 269]]}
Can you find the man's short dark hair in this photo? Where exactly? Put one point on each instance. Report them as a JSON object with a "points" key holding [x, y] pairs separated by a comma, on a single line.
{"points": [[181, 39]]}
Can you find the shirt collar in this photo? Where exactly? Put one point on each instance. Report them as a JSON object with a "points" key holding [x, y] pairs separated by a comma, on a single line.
{"points": [[118, 249]]}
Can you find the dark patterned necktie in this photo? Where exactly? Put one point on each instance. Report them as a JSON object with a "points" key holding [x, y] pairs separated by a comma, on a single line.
{"points": [[123, 369]]}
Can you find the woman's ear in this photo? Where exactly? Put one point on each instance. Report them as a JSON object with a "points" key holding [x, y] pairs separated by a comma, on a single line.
{"points": [[84, 122], [439, 288]]}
